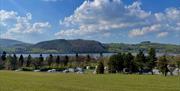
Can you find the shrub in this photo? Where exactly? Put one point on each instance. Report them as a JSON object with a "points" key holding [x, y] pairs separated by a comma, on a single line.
{"points": [[27, 69], [100, 68]]}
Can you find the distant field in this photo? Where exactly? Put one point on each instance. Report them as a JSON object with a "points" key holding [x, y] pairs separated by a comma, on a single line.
{"points": [[29, 81]]}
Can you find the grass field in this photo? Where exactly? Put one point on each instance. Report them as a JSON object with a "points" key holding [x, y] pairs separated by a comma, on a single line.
{"points": [[29, 81]]}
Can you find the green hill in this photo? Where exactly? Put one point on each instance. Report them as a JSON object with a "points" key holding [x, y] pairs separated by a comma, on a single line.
{"points": [[82, 46], [71, 46], [160, 48]]}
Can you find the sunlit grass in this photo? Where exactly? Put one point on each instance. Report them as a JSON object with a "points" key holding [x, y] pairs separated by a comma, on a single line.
{"points": [[30, 81]]}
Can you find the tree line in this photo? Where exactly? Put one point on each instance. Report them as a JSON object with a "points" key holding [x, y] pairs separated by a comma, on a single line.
{"points": [[118, 63], [141, 63], [12, 62]]}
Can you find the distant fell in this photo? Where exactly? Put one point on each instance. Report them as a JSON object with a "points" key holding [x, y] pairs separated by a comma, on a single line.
{"points": [[71, 46], [83, 46]]}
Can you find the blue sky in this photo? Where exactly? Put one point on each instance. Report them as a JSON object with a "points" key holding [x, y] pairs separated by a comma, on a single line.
{"points": [[127, 21]]}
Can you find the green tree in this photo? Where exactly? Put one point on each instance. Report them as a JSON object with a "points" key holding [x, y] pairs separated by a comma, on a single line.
{"points": [[177, 60], [88, 59], [29, 60], [3, 57], [35, 63], [77, 61], [66, 60], [119, 62], [140, 60], [21, 60], [151, 62], [8, 62], [50, 60], [162, 65], [2, 60], [100, 68], [13, 62], [128, 62], [40, 61], [57, 60], [115, 63]]}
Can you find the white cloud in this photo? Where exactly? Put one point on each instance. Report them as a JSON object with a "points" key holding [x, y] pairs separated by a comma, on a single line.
{"points": [[5, 16], [112, 16], [20, 25], [145, 30], [162, 34]]}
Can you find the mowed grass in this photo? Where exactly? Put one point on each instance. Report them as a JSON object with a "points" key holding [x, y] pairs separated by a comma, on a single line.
{"points": [[30, 81]]}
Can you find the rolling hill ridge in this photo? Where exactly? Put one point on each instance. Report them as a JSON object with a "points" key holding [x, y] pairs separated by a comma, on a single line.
{"points": [[82, 46]]}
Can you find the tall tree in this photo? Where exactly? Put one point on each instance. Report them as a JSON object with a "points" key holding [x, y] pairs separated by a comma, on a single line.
{"points": [[88, 59], [50, 60], [40, 61], [77, 59], [21, 60], [66, 60], [8, 61], [115, 63], [57, 60], [119, 62], [151, 62], [162, 65], [100, 68], [2, 61], [13, 62], [3, 57], [128, 62], [140, 60], [177, 60], [29, 59]]}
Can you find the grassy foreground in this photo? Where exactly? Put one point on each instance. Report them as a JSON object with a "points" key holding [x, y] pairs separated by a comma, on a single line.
{"points": [[29, 81]]}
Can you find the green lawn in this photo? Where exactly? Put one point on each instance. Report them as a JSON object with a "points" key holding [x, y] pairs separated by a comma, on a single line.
{"points": [[29, 81]]}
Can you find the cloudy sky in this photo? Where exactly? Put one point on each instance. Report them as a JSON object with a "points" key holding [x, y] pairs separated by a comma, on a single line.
{"points": [[127, 21]]}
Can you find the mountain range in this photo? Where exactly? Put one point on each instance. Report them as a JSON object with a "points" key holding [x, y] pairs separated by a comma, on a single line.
{"points": [[53, 46], [82, 46]]}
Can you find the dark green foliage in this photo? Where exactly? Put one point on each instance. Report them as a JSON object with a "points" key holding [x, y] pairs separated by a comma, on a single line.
{"points": [[162, 65], [140, 60], [27, 69], [35, 62], [115, 63], [2, 60], [122, 62], [177, 60], [178, 63], [119, 62], [29, 60], [66, 60], [58, 60], [3, 57], [21, 61], [77, 57], [13, 62], [151, 59], [40, 61], [100, 68], [129, 63], [50, 60], [87, 60]]}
